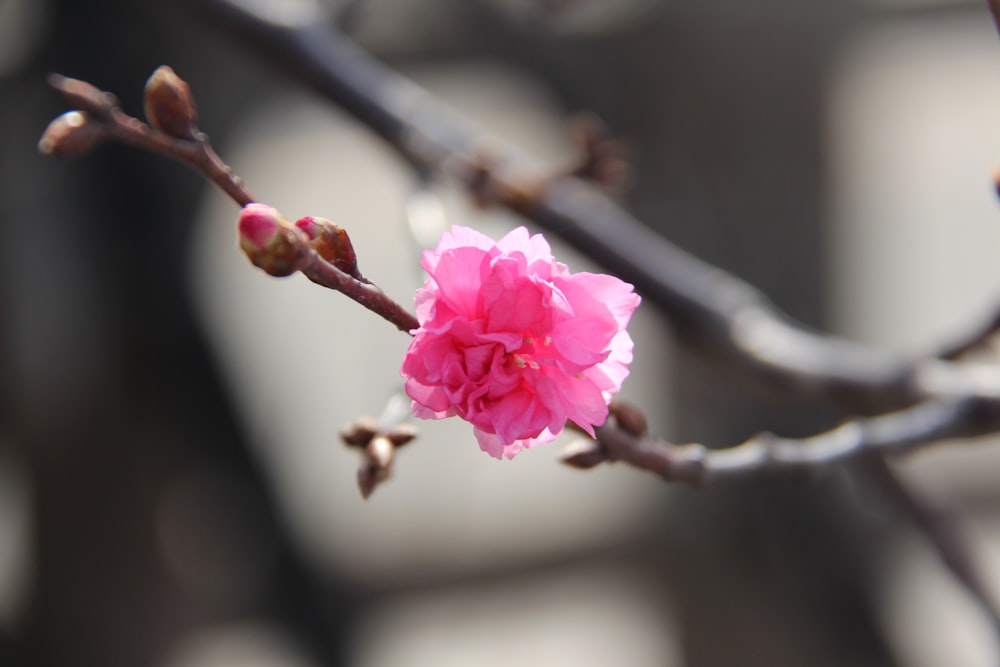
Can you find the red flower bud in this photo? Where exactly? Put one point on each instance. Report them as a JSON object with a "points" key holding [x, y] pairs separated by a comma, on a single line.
{"points": [[270, 241], [331, 242]]}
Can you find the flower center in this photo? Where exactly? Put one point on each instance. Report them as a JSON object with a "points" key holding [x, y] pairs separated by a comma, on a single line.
{"points": [[525, 355]]}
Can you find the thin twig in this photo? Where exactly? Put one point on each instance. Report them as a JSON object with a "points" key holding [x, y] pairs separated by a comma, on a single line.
{"points": [[196, 153], [369, 295]]}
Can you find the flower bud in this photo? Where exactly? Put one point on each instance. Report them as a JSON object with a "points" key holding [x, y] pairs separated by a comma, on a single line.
{"points": [[630, 418], [402, 434], [73, 133], [359, 432], [331, 242], [270, 241], [376, 466], [169, 105], [583, 454]]}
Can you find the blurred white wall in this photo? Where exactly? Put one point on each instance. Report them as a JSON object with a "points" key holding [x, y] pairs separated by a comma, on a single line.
{"points": [[914, 141]]}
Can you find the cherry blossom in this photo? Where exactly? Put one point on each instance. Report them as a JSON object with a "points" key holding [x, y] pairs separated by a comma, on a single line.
{"points": [[514, 343]]}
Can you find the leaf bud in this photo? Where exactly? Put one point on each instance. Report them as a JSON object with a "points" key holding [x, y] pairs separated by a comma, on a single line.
{"points": [[169, 105], [331, 242], [73, 133]]}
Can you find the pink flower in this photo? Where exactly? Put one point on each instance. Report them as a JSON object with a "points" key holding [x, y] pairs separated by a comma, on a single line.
{"points": [[514, 343]]}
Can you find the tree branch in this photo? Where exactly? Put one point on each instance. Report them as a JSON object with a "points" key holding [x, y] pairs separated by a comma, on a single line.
{"points": [[321, 250], [712, 310], [106, 121], [894, 433]]}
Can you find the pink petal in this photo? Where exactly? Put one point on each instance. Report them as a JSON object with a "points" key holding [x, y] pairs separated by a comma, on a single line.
{"points": [[459, 277], [433, 399], [618, 296], [579, 399], [535, 248]]}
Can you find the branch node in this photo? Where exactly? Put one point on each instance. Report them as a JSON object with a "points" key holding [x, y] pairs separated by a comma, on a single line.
{"points": [[603, 160]]}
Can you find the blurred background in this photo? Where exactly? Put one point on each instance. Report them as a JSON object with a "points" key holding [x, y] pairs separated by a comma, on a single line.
{"points": [[172, 488]]}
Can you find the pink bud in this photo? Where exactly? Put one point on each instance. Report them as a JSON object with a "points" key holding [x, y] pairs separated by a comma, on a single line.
{"points": [[270, 241], [259, 223]]}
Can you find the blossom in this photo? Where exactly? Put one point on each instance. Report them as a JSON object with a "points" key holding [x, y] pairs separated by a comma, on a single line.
{"points": [[514, 343]]}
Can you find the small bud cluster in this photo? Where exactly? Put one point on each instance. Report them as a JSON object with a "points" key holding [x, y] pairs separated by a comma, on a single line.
{"points": [[378, 450], [281, 248], [273, 244], [85, 127], [168, 104], [604, 160]]}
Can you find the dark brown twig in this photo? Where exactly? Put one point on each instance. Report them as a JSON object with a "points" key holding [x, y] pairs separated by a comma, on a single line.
{"points": [[367, 294], [319, 249], [104, 111]]}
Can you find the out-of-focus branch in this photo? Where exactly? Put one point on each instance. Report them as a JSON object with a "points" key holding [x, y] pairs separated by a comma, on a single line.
{"points": [[710, 309], [975, 339], [694, 464], [994, 6], [942, 529]]}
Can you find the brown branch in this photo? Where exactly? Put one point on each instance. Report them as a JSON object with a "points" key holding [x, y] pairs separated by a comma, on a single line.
{"points": [[711, 308], [624, 438], [894, 433], [319, 249], [103, 111], [369, 295], [280, 249]]}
